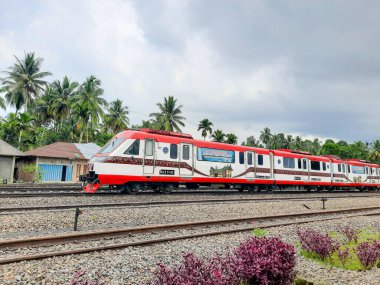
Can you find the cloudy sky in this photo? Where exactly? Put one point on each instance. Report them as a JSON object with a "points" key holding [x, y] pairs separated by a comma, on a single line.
{"points": [[301, 67]]}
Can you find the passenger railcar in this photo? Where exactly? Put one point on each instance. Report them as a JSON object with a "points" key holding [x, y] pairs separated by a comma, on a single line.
{"points": [[161, 161]]}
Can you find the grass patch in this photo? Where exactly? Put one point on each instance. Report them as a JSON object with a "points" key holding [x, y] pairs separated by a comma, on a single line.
{"points": [[347, 249]]}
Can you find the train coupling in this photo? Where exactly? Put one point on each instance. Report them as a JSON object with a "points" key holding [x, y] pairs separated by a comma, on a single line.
{"points": [[90, 182]]}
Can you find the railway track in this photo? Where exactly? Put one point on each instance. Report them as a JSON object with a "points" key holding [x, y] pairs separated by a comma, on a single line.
{"points": [[19, 193], [14, 247], [176, 203]]}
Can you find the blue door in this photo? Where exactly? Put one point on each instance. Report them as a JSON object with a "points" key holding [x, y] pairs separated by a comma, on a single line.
{"points": [[51, 172]]}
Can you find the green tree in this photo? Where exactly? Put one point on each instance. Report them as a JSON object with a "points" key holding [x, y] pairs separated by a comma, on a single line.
{"points": [[289, 142], [218, 136], [169, 116], [117, 116], [63, 95], [206, 126], [266, 136], [24, 82], [88, 106], [231, 138], [20, 124], [298, 143], [251, 141], [2, 103], [374, 155], [330, 148], [276, 141]]}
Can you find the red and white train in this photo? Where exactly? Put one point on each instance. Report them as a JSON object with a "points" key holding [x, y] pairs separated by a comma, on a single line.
{"points": [[161, 160]]}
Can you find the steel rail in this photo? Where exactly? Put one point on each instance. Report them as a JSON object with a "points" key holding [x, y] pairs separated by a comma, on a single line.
{"points": [[177, 202], [76, 193], [112, 233], [165, 239]]}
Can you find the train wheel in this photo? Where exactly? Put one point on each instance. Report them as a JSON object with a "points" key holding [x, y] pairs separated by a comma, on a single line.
{"points": [[168, 188], [133, 188], [156, 189]]}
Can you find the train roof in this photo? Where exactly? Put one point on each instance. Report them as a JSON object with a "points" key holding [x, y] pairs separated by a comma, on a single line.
{"points": [[176, 138], [298, 154]]}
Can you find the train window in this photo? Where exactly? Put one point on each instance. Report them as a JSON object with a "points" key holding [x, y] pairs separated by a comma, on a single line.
{"points": [[315, 165], [304, 164], [134, 148], [349, 169], [149, 146], [343, 168], [260, 159], [324, 165], [289, 162], [112, 145], [241, 157], [185, 152], [339, 168], [299, 164], [358, 170], [173, 151], [366, 170], [249, 158]]}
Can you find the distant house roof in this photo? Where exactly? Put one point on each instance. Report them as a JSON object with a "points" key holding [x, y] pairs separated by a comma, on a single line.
{"points": [[7, 150], [65, 150]]}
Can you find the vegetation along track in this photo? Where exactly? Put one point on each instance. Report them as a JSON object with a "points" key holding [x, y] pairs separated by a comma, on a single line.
{"points": [[178, 202], [16, 245]]}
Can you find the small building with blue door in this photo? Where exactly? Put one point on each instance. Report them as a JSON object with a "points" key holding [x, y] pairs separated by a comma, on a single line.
{"points": [[60, 161]]}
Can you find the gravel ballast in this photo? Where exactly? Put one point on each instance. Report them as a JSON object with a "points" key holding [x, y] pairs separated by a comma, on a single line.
{"points": [[135, 265]]}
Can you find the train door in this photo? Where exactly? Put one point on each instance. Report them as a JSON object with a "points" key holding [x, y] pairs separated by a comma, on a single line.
{"points": [[271, 161], [249, 164], [305, 169], [331, 171], [186, 156], [149, 156]]}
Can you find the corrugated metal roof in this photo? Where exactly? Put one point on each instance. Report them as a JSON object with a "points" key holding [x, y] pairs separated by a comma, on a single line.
{"points": [[65, 150], [88, 149], [7, 150]]}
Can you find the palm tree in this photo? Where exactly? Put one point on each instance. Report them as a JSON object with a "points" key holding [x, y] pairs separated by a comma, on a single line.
{"points": [[2, 103], [88, 105], [170, 115], [288, 141], [63, 95], [298, 143], [24, 82], [22, 123], [375, 153], [266, 136], [205, 126], [231, 138], [218, 136], [316, 146], [276, 141], [117, 117]]}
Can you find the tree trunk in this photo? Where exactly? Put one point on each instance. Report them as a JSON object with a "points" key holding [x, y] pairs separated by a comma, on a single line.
{"points": [[81, 136], [19, 138]]}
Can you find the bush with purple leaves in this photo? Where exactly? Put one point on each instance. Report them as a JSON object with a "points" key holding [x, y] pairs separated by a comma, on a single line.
{"points": [[317, 243], [267, 261]]}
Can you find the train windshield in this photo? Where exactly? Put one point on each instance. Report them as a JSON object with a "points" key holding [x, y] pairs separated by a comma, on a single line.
{"points": [[112, 145]]}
